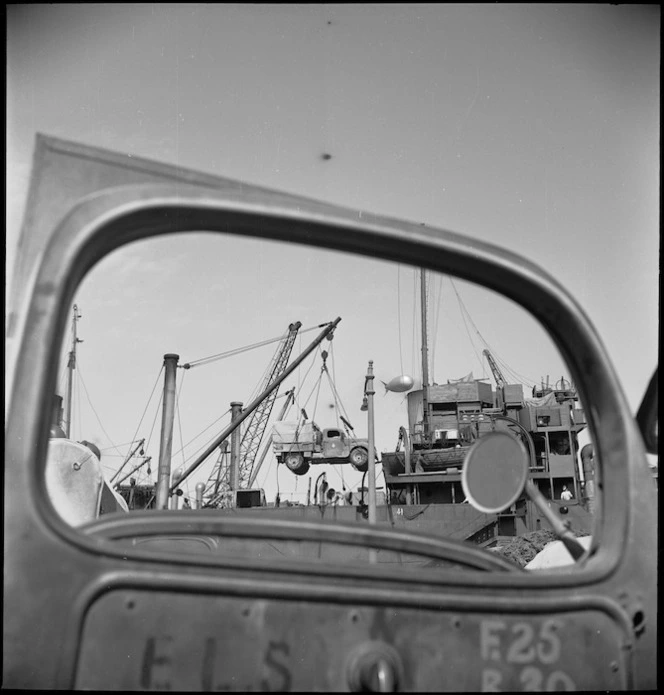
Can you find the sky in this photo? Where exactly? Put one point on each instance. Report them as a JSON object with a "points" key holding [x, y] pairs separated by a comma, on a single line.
{"points": [[532, 126]]}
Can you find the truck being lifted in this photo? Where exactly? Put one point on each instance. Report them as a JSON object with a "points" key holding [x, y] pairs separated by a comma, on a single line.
{"points": [[299, 446]]}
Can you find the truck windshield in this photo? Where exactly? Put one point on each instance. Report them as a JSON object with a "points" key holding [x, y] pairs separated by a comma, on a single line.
{"points": [[228, 377]]}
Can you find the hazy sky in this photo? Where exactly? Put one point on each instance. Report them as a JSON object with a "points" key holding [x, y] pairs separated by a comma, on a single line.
{"points": [[535, 127]]}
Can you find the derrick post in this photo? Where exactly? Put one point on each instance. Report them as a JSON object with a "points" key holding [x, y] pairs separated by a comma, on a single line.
{"points": [[234, 471], [371, 464], [166, 445]]}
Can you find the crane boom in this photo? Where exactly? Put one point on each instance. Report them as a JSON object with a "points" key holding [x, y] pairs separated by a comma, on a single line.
{"points": [[218, 481], [290, 397], [253, 434], [327, 332], [497, 374]]}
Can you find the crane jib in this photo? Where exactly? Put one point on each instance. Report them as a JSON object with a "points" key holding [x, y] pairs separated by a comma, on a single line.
{"points": [[327, 331]]}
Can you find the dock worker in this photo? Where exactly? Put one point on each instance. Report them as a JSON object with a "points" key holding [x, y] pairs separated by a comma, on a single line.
{"points": [[322, 489]]}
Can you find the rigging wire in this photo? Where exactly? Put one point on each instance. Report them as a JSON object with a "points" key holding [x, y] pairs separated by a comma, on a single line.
{"points": [[154, 424], [81, 382], [399, 314], [316, 384], [297, 400], [266, 469], [63, 379], [140, 422], [464, 313], [200, 434], [337, 400], [333, 362], [425, 315], [299, 369], [201, 448], [116, 447], [415, 323], [177, 410], [511, 372], [236, 351], [331, 379], [436, 322], [260, 385], [265, 373], [76, 412], [431, 323]]}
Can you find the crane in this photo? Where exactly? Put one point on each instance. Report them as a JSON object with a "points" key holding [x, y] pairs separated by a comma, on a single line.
{"points": [[498, 377], [497, 374], [218, 482]]}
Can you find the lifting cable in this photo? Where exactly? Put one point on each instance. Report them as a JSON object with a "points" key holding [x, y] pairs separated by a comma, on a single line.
{"points": [[237, 351], [338, 403], [337, 399], [335, 395], [311, 366], [315, 387]]}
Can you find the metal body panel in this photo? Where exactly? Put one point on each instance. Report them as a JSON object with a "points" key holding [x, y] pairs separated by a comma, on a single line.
{"points": [[140, 640], [86, 202]]}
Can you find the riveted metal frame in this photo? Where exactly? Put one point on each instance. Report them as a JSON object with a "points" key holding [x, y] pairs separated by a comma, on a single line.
{"points": [[616, 568]]}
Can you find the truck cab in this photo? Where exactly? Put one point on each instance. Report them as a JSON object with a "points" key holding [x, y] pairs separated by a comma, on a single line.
{"points": [[300, 446], [335, 444], [96, 607]]}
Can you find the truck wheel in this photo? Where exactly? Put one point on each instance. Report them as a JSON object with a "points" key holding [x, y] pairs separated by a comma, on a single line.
{"points": [[296, 464], [359, 458]]}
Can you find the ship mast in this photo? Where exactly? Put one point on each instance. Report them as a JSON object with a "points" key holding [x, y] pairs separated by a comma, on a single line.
{"points": [[71, 366], [425, 357], [168, 415]]}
